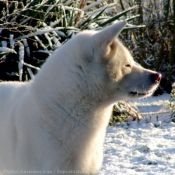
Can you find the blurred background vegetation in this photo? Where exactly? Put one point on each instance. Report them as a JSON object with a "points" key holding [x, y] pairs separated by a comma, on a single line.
{"points": [[30, 30]]}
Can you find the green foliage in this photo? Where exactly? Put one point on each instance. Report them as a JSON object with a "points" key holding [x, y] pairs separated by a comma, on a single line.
{"points": [[31, 30], [123, 112]]}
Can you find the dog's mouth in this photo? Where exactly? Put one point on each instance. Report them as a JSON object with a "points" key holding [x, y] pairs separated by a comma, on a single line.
{"points": [[141, 94]]}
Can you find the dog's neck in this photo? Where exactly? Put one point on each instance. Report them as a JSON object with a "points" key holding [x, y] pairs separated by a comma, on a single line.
{"points": [[76, 107], [70, 97]]}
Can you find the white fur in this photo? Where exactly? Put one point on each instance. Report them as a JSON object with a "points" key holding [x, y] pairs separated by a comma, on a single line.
{"points": [[58, 121]]}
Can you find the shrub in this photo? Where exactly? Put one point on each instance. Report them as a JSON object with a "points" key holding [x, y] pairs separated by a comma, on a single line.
{"points": [[32, 30], [172, 103]]}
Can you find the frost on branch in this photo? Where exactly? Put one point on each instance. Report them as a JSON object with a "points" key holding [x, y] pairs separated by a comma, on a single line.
{"points": [[21, 60], [172, 102]]}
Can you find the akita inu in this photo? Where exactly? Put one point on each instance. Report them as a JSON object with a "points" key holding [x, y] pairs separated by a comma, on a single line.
{"points": [[57, 122]]}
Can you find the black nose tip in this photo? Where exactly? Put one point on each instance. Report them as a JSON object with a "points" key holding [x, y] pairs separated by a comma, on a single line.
{"points": [[156, 77]]}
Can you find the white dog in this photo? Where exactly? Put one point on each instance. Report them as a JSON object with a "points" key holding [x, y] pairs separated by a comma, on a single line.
{"points": [[57, 123]]}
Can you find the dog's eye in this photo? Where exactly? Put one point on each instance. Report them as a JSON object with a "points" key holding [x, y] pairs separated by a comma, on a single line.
{"points": [[128, 65]]}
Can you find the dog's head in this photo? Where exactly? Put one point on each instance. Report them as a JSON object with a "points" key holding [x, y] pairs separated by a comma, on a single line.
{"points": [[109, 67]]}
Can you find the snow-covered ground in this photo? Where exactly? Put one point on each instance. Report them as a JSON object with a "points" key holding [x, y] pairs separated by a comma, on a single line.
{"points": [[143, 148]]}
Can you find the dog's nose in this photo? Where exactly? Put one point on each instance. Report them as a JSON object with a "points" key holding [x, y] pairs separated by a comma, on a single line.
{"points": [[156, 77]]}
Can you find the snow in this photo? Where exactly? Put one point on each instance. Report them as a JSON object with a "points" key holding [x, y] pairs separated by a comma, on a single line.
{"points": [[145, 147]]}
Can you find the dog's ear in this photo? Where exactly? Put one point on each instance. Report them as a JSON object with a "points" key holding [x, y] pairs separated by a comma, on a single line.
{"points": [[105, 38]]}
